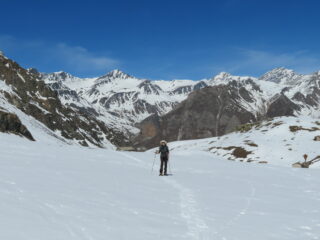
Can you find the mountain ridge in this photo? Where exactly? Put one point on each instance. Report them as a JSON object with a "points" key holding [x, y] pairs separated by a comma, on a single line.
{"points": [[124, 103]]}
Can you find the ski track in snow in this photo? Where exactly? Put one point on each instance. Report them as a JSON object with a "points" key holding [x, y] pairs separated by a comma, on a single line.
{"points": [[237, 217], [131, 157], [190, 211], [196, 213]]}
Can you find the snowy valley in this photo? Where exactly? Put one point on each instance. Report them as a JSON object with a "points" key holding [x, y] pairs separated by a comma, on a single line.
{"points": [[62, 178], [55, 191]]}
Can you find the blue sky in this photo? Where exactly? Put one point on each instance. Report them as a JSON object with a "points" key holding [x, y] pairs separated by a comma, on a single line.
{"points": [[162, 39]]}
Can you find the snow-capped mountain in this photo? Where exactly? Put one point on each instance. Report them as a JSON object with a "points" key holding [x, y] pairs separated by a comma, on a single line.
{"points": [[134, 99], [146, 108], [281, 75], [131, 101], [123, 95], [229, 101]]}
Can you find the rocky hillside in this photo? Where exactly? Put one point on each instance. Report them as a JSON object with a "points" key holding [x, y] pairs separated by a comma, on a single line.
{"points": [[212, 111], [23, 90]]}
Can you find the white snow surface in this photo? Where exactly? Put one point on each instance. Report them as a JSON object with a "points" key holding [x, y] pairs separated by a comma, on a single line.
{"points": [[65, 192], [270, 141]]}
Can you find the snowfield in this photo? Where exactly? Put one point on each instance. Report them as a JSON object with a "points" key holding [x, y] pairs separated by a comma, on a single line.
{"points": [[279, 142], [62, 192]]}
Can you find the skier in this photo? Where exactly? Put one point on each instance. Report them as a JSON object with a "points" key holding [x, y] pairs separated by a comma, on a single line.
{"points": [[164, 156]]}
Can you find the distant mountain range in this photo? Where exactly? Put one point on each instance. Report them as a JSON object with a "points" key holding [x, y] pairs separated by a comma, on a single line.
{"points": [[230, 101], [140, 112]]}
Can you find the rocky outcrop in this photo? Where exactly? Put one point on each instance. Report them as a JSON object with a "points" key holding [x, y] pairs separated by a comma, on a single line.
{"points": [[282, 106], [10, 123]]}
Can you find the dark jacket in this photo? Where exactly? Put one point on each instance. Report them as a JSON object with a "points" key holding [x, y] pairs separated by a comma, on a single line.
{"points": [[164, 151]]}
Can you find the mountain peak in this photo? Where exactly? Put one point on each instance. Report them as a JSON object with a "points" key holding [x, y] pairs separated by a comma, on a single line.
{"points": [[64, 74], [280, 74], [116, 73], [221, 77], [58, 76]]}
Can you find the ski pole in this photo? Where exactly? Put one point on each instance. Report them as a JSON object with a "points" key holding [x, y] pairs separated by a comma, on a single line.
{"points": [[169, 164], [154, 159], [170, 168]]}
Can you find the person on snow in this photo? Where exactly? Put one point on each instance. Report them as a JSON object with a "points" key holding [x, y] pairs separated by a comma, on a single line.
{"points": [[164, 157]]}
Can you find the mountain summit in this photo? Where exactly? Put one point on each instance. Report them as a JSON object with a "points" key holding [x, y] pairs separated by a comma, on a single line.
{"points": [[280, 75], [116, 74]]}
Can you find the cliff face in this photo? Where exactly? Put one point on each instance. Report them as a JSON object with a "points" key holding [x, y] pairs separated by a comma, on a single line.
{"points": [[282, 106]]}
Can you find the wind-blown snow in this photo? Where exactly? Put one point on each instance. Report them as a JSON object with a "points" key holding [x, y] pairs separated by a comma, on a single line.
{"points": [[68, 192]]}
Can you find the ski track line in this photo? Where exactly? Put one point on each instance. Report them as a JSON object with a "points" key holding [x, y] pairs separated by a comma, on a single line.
{"points": [[242, 212], [188, 205], [68, 226], [49, 218], [131, 157], [190, 211]]}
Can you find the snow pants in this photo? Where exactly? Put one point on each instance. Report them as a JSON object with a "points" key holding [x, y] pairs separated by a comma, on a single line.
{"points": [[164, 164]]}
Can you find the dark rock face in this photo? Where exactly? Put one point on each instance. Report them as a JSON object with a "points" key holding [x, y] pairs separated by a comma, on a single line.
{"points": [[10, 123], [199, 85], [63, 91], [298, 96], [113, 75], [183, 90], [150, 131], [313, 99], [149, 88], [282, 106], [117, 98], [189, 89], [35, 98], [211, 111]]}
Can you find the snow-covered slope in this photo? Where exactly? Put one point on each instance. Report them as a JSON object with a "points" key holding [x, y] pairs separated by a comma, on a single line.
{"points": [[27, 100], [66, 192], [39, 131], [281, 141]]}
